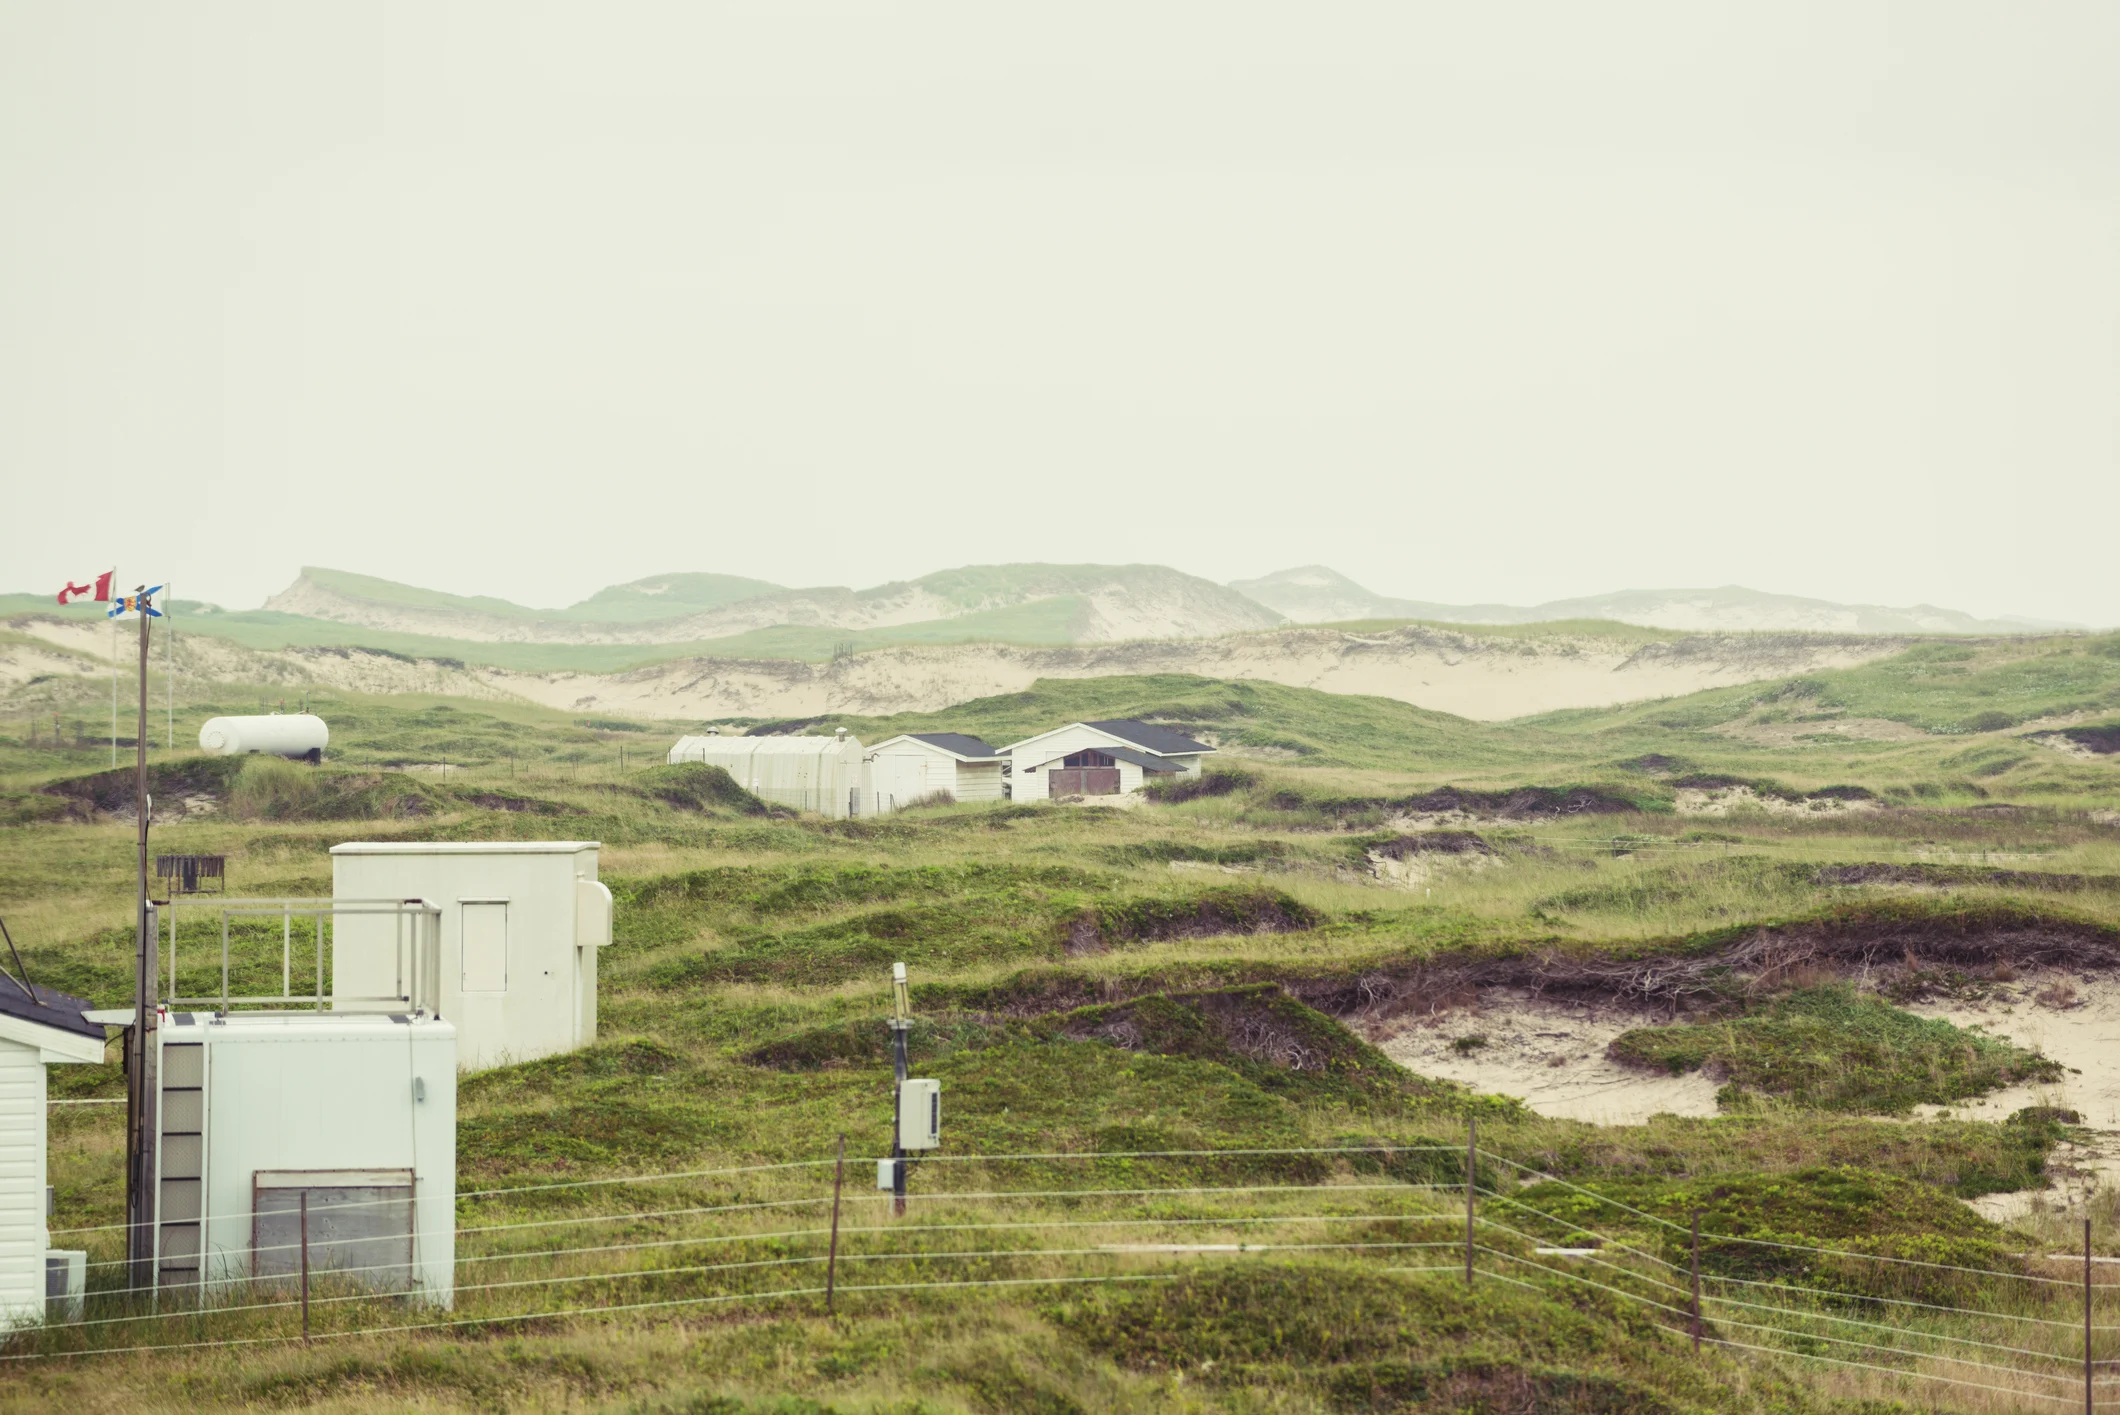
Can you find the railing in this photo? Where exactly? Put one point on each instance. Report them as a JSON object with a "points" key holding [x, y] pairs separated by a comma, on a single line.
{"points": [[415, 948]]}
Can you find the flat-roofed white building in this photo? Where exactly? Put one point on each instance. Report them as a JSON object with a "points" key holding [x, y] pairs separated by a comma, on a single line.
{"points": [[1109, 758], [521, 923], [922, 766], [821, 774]]}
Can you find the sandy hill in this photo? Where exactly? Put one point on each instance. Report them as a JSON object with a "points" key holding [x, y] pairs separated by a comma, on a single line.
{"points": [[1023, 603], [1315, 594]]}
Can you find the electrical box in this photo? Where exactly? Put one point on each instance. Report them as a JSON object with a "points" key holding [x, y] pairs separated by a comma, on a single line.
{"points": [[920, 1115], [887, 1175]]}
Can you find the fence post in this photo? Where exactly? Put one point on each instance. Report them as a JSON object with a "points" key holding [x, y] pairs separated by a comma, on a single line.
{"points": [[2089, 1404], [305, 1267], [1696, 1282], [831, 1263], [1472, 1150]]}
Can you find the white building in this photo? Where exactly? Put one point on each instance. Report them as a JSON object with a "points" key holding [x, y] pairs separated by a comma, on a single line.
{"points": [[920, 765], [521, 922], [35, 1032], [257, 1113], [821, 774], [1109, 758]]}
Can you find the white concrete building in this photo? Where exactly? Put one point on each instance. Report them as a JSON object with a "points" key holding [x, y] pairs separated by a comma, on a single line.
{"points": [[35, 1032], [919, 765], [1110, 758], [821, 774], [521, 924]]}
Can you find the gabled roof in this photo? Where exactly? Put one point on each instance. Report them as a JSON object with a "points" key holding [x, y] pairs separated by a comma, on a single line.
{"points": [[1160, 740], [957, 744], [1142, 760], [52, 1009]]}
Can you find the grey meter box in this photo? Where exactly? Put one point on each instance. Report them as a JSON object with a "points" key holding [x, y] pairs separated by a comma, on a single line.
{"points": [[920, 1115]]}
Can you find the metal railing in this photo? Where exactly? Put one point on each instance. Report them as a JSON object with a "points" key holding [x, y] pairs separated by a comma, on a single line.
{"points": [[415, 949]]}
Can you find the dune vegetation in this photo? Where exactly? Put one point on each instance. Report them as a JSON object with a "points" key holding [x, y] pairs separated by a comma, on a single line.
{"points": [[1185, 997]]}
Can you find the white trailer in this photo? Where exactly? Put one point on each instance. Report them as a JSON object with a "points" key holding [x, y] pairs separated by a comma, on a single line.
{"points": [[821, 774], [521, 923], [36, 1030]]}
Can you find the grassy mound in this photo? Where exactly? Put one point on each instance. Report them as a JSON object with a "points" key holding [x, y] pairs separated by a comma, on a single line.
{"points": [[1365, 1340], [695, 786], [1832, 1048], [1790, 1213]]}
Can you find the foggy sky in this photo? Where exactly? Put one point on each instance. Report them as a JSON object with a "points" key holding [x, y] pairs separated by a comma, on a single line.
{"points": [[1473, 302]]}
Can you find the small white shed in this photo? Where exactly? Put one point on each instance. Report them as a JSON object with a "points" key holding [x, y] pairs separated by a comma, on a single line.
{"points": [[1107, 758], [35, 1032], [921, 765], [821, 774], [521, 923], [257, 1113]]}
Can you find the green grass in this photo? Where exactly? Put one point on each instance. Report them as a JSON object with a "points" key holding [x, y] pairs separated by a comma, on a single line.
{"points": [[1097, 980], [1830, 1048]]}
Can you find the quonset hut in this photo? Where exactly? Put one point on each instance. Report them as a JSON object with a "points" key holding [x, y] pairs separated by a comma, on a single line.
{"points": [[821, 774]]}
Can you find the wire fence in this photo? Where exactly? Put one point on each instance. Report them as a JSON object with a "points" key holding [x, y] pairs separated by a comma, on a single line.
{"points": [[2024, 1332]]}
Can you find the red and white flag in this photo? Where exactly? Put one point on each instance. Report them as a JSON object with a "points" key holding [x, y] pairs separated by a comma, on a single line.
{"points": [[100, 591]]}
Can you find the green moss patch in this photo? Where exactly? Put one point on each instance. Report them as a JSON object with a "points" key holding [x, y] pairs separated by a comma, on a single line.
{"points": [[1833, 1048]]}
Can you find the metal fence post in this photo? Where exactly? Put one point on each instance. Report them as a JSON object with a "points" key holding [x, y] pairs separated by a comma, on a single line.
{"points": [[305, 1267], [1696, 1282], [1472, 1150], [2089, 1402], [831, 1263]]}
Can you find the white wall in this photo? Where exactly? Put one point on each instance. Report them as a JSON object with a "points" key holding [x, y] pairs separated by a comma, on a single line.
{"points": [[978, 781], [525, 890], [22, 1175], [327, 1092]]}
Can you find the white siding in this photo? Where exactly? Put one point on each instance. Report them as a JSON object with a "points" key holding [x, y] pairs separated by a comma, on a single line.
{"points": [[1030, 785], [978, 781], [22, 1172], [519, 996]]}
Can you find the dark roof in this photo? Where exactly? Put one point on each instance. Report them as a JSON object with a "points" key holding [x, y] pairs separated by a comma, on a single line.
{"points": [[956, 742], [1160, 740], [1124, 754], [52, 1008]]}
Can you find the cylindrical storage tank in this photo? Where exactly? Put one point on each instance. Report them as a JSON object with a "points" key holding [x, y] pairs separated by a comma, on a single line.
{"points": [[289, 734]]}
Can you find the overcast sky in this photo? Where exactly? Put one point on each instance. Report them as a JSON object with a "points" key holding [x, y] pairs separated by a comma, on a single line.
{"points": [[1473, 302]]}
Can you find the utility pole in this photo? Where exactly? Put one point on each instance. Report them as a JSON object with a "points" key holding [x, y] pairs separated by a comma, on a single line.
{"points": [[900, 1025]]}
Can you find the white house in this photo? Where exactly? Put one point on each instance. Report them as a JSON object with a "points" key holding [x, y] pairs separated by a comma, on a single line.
{"points": [[919, 765], [821, 774], [1109, 758], [521, 924], [36, 1030]]}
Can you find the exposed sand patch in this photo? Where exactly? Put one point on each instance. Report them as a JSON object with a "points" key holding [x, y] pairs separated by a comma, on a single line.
{"points": [[1551, 1055], [1425, 868], [1729, 800], [2085, 1037]]}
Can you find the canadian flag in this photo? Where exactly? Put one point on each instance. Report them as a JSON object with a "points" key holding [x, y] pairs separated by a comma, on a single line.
{"points": [[101, 590]]}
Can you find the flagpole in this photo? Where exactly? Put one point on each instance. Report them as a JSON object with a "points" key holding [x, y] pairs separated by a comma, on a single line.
{"points": [[114, 692], [139, 1181]]}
